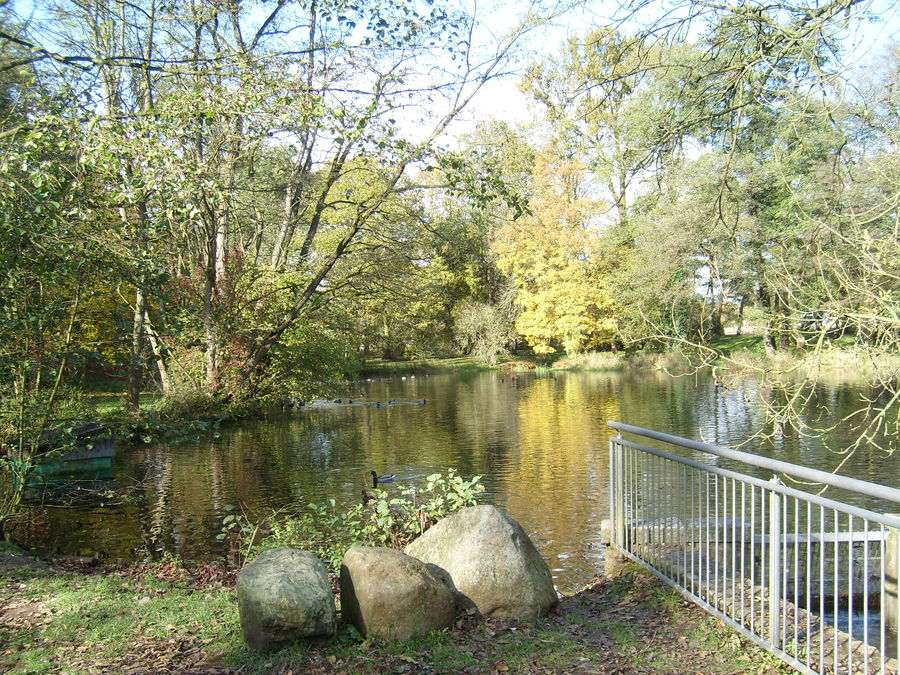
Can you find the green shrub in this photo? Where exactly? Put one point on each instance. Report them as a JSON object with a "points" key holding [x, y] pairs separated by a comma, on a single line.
{"points": [[391, 520]]}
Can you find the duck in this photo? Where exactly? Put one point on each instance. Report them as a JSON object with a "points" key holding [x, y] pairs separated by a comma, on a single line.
{"points": [[366, 498], [376, 479]]}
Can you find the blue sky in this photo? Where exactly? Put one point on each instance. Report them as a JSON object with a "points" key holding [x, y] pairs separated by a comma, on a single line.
{"points": [[501, 99]]}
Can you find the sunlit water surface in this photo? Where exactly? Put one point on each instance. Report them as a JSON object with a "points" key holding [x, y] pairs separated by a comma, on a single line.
{"points": [[539, 441]]}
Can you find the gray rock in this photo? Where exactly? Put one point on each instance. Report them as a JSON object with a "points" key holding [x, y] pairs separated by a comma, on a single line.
{"points": [[284, 595], [393, 596], [491, 561]]}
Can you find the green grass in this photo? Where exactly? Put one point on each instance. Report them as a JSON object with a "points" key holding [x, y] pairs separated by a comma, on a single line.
{"points": [[79, 623], [9, 548], [519, 649], [424, 365], [593, 361], [731, 344], [516, 362], [106, 404], [713, 637], [102, 618]]}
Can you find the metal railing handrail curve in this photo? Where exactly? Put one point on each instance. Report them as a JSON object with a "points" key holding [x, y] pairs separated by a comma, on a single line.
{"points": [[806, 473], [856, 511]]}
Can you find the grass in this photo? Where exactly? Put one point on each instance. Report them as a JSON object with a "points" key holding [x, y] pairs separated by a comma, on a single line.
{"points": [[591, 361], [9, 548], [744, 354], [421, 365], [838, 362], [98, 621], [456, 363], [106, 404], [594, 361], [57, 621], [620, 361], [731, 344]]}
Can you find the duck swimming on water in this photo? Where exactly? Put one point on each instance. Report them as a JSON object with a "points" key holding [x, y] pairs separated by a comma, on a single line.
{"points": [[376, 479]]}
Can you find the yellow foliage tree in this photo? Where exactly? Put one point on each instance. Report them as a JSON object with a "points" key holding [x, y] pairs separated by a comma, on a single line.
{"points": [[553, 257]]}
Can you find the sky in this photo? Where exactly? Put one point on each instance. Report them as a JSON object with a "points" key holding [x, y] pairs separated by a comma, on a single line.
{"points": [[501, 98]]}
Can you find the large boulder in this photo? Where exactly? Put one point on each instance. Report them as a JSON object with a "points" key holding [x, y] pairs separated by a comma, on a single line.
{"points": [[284, 595], [491, 561], [390, 595]]}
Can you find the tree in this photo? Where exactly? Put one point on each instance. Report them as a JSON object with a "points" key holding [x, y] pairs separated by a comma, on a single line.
{"points": [[788, 142], [619, 103], [554, 259], [48, 267], [486, 330], [253, 155]]}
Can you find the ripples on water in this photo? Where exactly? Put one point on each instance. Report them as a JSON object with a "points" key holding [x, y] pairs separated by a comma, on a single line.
{"points": [[539, 441]]}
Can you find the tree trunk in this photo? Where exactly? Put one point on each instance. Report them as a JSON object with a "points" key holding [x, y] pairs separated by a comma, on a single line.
{"points": [[221, 244], [212, 374], [765, 302], [135, 369], [768, 340], [157, 355]]}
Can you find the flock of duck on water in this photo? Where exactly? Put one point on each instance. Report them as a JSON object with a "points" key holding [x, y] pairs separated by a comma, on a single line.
{"points": [[289, 403], [379, 404]]}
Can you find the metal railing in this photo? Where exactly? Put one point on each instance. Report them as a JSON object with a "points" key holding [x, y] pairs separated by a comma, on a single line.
{"points": [[808, 578]]}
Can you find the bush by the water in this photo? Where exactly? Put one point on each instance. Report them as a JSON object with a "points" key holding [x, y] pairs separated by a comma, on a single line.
{"points": [[390, 518]]}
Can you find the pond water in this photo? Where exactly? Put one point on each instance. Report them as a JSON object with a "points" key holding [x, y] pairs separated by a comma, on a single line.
{"points": [[540, 442]]}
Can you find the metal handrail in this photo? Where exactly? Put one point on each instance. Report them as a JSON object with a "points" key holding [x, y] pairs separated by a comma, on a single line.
{"points": [[815, 475], [859, 512], [785, 568]]}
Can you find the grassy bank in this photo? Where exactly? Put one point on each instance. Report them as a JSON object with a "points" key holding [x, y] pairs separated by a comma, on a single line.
{"points": [[455, 364], [422, 365], [620, 361], [832, 363], [163, 618], [744, 354]]}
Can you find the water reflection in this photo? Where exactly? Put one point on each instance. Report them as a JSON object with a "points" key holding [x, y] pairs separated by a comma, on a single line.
{"points": [[539, 441]]}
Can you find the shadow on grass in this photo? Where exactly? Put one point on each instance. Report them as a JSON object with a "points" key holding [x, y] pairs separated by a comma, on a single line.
{"points": [[164, 620]]}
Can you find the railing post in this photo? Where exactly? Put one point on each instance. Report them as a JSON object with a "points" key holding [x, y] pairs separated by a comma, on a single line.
{"points": [[613, 559], [618, 494], [891, 571], [775, 565]]}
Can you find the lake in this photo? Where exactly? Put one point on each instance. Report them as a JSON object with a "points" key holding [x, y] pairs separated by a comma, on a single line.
{"points": [[539, 441]]}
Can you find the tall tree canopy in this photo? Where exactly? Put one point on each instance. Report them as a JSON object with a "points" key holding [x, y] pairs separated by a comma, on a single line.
{"points": [[246, 162]]}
